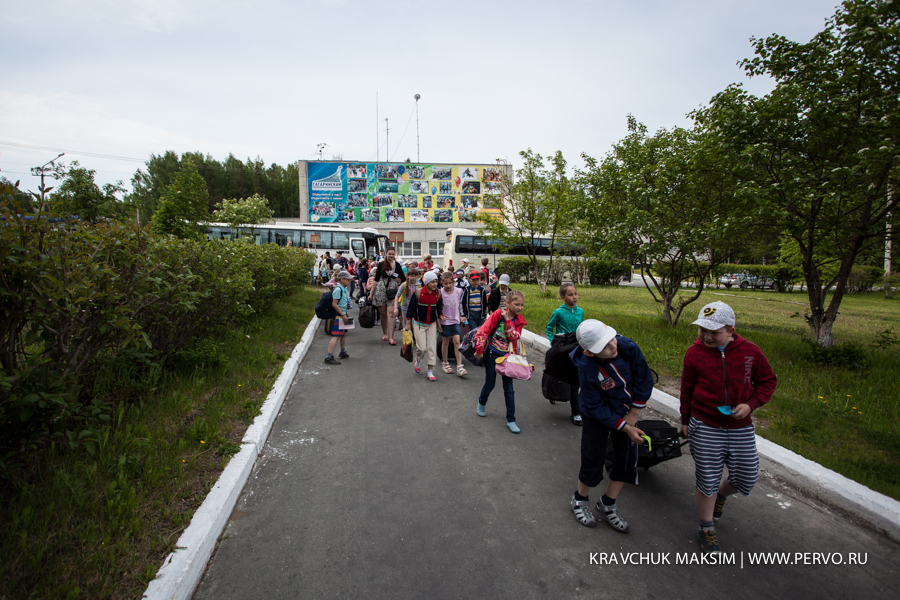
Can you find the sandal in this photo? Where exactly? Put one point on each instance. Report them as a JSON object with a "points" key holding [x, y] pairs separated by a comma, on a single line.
{"points": [[392, 342], [384, 338], [461, 370], [432, 378], [416, 365], [448, 369]]}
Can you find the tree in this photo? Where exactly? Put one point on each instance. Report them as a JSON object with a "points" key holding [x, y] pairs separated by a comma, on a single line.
{"points": [[531, 208], [79, 196], [822, 150], [668, 203], [183, 205], [241, 212]]}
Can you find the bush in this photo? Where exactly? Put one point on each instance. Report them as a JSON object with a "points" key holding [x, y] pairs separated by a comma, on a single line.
{"points": [[863, 278], [607, 271]]}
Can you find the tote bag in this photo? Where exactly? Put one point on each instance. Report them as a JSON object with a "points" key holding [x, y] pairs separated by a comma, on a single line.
{"points": [[514, 366]]}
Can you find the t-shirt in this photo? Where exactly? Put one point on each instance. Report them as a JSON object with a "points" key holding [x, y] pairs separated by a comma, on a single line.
{"points": [[451, 305], [503, 299], [475, 300], [342, 295]]}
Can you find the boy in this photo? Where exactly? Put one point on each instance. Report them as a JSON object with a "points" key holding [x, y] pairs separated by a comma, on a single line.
{"points": [[473, 301], [461, 282], [497, 298], [615, 384], [721, 369], [341, 303]]}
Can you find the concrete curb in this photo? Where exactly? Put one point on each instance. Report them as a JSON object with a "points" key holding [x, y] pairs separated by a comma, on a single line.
{"points": [[182, 570], [872, 508]]}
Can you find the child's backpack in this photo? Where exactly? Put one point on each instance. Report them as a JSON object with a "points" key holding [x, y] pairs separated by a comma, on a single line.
{"points": [[324, 307], [557, 363], [366, 314], [555, 390]]}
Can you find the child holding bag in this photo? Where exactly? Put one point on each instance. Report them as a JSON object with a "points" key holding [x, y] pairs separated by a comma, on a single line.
{"points": [[422, 318], [498, 336]]}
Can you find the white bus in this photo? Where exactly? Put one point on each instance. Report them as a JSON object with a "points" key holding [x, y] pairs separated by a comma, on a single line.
{"points": [[355, 243], [465, 243]]}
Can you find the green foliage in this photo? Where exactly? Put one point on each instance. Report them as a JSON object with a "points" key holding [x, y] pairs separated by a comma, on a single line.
{"points": [[863, 278], [183, 205], [850, 355], [247, 211], [887, 339], [891, 284], [607, 271], [79, 196]]}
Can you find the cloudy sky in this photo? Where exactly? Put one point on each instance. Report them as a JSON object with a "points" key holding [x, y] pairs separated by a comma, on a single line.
{"points": [[111, 81]]}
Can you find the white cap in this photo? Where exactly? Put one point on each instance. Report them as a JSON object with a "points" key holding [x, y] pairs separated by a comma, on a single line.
{"points": [[504, 279], [429, 277], [594, 335], [465, 260], [714, 316]]}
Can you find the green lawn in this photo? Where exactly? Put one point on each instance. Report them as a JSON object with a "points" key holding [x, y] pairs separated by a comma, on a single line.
{"points": [[845, 419]]}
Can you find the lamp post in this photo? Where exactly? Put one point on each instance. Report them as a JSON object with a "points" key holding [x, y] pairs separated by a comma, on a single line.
{"points": [[387, 140], [418, 156], [42, 170]]}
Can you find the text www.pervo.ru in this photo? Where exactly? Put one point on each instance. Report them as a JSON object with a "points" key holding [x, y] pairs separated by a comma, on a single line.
{"points": [[728, 558]]}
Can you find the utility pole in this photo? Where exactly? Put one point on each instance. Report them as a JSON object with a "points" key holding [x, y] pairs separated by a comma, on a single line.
{"points": [[320, 148], [41, 170], [418, 156], [888, 231], [387, 141]]}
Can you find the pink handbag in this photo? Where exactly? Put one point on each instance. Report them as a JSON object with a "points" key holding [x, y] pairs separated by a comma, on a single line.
{"points": [[514, 366]]}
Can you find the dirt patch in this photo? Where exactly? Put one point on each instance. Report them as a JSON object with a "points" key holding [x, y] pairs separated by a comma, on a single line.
{"points": [[670, 385]]}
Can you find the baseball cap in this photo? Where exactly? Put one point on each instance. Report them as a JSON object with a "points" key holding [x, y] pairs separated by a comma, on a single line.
{"points": [[594, 335], [344, 275], [504, 279], [460, 272], [715, 315], [474, 275], [429, 277], [465, 260]]}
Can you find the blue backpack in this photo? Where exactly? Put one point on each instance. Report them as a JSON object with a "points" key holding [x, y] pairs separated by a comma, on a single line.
{"points": [[325, 306]]}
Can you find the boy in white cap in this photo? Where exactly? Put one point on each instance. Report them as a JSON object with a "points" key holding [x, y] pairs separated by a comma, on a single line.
{"points": [[615, 385], [724, 379], [497, 299]]}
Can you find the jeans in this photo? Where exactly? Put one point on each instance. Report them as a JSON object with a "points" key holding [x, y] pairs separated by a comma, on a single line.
{"points": [[352, 286], [475, 320], [490, 379]]}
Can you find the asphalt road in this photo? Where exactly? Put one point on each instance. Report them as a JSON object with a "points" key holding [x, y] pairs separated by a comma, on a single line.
{"points": [[376, 483]]}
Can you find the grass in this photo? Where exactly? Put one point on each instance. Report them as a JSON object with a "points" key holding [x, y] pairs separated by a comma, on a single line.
{"points": [[844, 418], [98, 525]]}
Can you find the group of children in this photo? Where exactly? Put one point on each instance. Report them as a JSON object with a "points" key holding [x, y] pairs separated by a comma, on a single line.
{"points": [[724, 379]]}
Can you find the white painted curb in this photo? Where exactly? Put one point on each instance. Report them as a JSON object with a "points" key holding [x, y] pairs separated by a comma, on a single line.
{"points": [[811, 478], [182, 570]]}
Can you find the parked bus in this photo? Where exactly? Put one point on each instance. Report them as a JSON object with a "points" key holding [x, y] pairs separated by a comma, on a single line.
{"points": [[465, 243], [355, 243]]}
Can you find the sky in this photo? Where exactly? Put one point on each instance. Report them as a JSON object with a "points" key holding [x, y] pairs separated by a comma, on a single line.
{"points": [[110, 82]]}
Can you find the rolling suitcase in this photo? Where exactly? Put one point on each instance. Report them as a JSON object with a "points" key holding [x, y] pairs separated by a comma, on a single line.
{"points": [[664, 444]]}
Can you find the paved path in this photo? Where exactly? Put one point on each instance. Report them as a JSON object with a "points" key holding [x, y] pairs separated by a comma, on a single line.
{"points": [[376, 483]]}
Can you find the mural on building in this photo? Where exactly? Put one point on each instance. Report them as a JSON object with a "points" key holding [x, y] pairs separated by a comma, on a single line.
{"points": [[400, 192]]}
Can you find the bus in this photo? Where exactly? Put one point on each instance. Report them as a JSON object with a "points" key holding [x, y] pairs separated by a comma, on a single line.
{"points": [[355, 243], [465, 243]]}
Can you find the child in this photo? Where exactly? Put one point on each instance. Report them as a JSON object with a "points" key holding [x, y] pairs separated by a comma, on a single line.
{"points": [[363, 272], [474, 301], [485, 272], [615, 385], [722, 369], [422, 319], [461, 281], [566, 319], [341, 303], [497, 299], [409, 287], [499, 334], [450, 322]]}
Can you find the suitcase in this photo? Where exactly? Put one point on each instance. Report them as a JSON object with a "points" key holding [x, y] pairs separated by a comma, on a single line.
{"points": [[664, 444], [555, 390]]}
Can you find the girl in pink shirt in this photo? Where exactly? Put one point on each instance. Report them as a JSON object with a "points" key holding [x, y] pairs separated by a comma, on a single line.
{"points": [[449, 322]]}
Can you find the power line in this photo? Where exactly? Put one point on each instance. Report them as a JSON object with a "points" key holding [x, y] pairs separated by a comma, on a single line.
{"points": [[91, 154]]}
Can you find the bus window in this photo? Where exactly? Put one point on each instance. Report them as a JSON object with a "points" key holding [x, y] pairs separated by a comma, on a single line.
{"points": [[340, 240], [324, 239], [358, 247], [465, 244]]}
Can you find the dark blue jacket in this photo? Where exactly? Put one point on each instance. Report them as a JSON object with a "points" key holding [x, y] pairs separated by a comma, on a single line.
{"points": [[610, 388]]}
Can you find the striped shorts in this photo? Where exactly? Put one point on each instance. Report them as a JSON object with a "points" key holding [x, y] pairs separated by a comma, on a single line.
{"points": [[714, 448]]}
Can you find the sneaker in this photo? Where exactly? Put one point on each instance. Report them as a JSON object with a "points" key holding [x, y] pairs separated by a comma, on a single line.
{"points": [[343, 354], [612, 517], [720, 506], [577, 420], [481, 411], [416, 365], [709, 543], [330, 360], [582, 510], [513, 427]]}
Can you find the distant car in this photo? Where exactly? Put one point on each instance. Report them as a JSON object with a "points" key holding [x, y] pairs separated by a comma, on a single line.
{"points": [[744, 281]]}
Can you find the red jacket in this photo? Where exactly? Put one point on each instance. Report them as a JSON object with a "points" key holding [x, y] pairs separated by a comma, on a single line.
{"points": [[513, 331], [738, 375]]}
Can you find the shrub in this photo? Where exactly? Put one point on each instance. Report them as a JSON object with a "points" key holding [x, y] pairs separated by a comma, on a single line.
{"points": [[607, 271], [863, 278]]}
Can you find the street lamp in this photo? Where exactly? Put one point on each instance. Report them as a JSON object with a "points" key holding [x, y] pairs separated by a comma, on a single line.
{"points": [[41, 170], [418, 156]]}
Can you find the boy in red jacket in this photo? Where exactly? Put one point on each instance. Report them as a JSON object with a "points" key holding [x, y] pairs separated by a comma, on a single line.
{"points": [[725, 378]]}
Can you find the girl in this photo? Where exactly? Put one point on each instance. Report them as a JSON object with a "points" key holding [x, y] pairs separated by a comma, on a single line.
{"points": [[363, 271], [498, 336], [388, 277], [566, 319], [422, 319], [410, 287], [450, 322]]}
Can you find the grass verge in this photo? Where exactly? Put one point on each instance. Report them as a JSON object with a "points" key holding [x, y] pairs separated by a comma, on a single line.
{"points": [[98, 524], [842, 416]]}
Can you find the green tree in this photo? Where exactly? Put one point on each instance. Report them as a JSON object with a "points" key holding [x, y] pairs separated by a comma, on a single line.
{"points": [[531, 208], [79, 195], [665, 201], [183, 205], [244, 212], [822, 150]]}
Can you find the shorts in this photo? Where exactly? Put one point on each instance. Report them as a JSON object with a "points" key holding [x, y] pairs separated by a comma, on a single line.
{"points": [[714, 448], [593, 454], [336, 328], [450, 330]]}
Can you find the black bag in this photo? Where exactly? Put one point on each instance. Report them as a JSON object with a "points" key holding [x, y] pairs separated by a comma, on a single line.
{"points": [[467, 348], [367, 316], [555, 390], [664, 444], [407, 351], [557, 362], [325, 306]]}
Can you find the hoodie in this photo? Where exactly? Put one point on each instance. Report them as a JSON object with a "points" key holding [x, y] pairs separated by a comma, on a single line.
{"points": [[611, 388], [739, 374]]}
